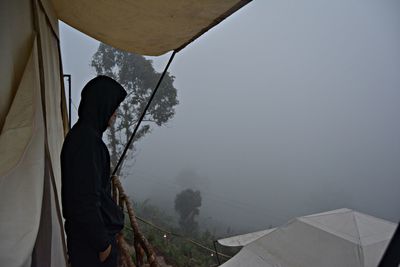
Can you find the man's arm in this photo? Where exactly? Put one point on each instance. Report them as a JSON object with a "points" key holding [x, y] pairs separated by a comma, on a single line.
{"points": [[87, 175]]}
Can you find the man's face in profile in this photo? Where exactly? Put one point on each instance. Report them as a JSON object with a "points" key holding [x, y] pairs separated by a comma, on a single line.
{"points": [[112, 119]]}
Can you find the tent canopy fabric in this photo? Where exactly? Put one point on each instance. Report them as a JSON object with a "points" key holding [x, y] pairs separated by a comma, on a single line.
{"points": [[337, 238], [151, 27], [21, 187]]}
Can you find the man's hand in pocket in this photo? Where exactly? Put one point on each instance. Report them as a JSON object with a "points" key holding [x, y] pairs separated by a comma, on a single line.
{"points": [[104, 255]]}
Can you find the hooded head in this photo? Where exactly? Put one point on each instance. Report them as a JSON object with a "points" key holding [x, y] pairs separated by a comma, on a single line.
{"points": [[100, 98]]}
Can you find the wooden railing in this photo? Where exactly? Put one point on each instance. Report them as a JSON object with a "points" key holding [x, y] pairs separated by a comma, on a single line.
{"points": [[141, 246]]}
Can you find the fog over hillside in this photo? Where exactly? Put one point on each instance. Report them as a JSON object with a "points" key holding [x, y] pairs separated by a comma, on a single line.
{"points": [[287, 108]]}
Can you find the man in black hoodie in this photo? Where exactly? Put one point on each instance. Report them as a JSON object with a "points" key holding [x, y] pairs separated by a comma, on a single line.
{"points": [[92, 219]]}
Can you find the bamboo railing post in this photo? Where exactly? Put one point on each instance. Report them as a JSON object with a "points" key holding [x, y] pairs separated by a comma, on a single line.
{"points": [[138, 236], [114, 191]]}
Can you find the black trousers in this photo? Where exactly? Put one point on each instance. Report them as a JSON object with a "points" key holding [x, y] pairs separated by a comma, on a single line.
{"points": [[81, 254]]}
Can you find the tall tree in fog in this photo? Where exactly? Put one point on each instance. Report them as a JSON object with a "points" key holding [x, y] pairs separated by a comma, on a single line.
{"points": [[138, 77], [187, 204]]}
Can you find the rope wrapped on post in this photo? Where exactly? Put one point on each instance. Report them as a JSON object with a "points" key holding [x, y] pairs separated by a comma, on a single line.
{"points": [[124, 249], [125, 259], [140, 242]]}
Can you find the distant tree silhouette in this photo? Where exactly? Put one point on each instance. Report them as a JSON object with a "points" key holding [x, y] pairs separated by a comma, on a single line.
{"points": [[187, 204], [137, 75]]}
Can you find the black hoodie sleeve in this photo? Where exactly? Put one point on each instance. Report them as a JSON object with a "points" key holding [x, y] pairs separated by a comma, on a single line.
{"points": [[86, 195]]}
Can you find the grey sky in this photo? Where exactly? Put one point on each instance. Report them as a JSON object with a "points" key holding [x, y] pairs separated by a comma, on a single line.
{"points": [[286, 108]]}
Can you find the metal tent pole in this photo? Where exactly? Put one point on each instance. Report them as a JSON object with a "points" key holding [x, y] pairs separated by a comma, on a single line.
{"points": [[121, 159], [216, 252], [68, 76]]}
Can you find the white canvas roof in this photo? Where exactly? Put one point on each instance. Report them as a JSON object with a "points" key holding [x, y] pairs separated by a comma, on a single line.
{"points": [[151, 27], [337, 238], [243, 240]]}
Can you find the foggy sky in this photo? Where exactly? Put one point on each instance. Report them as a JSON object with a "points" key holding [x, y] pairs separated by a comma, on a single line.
{"points": [[287, 108]]}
